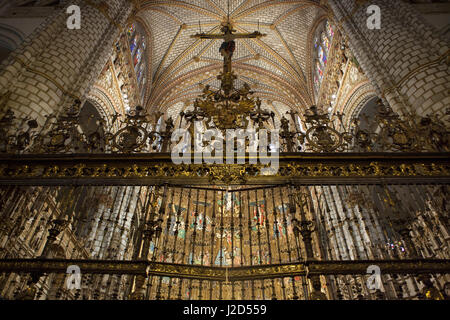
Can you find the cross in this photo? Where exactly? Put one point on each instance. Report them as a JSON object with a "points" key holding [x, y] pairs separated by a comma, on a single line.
{"points": [[228, 46]]}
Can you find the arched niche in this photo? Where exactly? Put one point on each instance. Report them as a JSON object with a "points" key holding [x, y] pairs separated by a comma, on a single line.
{"points": [[10, 39], [367, 112], [92, 124]]}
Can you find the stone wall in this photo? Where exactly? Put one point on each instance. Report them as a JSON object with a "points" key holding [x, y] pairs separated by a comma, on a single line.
{"points": [[406, 60], [56, 65]]}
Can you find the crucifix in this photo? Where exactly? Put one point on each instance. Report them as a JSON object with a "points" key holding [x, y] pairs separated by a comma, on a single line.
{"points": [[227, 49], [228, 46]]}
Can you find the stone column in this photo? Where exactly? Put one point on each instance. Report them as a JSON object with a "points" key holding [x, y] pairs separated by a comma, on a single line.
{"points": [[56, 65], [406, 60]]}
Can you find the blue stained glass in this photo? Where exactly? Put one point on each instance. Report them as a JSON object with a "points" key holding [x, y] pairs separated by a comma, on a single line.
{"points": [[322, 45], [320, 53], [133, 44], [322, 56], [138, 47]]}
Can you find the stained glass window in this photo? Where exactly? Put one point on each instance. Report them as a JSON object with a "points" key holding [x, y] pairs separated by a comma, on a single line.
{"points": [[138, 51], [330, 30], [134, 43], [322, 46], [140, 72], [316, 82], [138, 56], [322, 56], [130, 31], [319, 70], [325, 41]]}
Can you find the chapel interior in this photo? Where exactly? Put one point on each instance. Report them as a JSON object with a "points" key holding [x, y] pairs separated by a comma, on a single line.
{"points": [[346, 196]]}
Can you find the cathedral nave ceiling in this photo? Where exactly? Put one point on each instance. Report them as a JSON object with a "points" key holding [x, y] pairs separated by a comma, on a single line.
{"points": [[276, 66]]}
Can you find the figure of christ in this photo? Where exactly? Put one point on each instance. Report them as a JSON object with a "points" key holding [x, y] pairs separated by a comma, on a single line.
{"points": [[228, 46]]}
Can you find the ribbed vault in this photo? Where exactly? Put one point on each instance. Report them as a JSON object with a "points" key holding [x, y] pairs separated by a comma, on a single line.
{"points": [[276, 66]]}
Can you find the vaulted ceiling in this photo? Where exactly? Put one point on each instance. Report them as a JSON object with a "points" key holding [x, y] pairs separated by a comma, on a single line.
{"points": [[277, 66]]}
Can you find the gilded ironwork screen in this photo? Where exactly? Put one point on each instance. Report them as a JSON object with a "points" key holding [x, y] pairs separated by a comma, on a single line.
{"points": [[212, 242], [352, 212]]}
